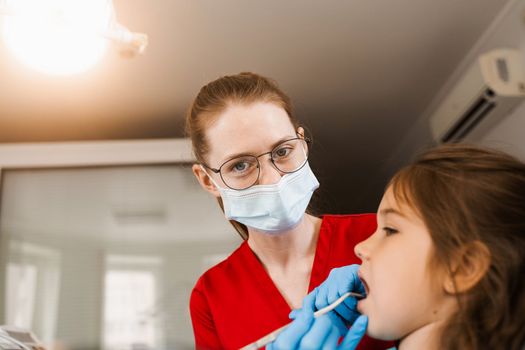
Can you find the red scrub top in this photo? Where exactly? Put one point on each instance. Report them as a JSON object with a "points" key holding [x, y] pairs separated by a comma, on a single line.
{"points": [[236, 302]]}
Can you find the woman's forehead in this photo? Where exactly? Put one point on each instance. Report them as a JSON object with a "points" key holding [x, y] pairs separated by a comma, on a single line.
{"points": [[247, 129]]}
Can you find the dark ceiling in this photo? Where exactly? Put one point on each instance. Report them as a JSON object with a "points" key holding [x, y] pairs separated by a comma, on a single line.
{"points": [[359, 73]]}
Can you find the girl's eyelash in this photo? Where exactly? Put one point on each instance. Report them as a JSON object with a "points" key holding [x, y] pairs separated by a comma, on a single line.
{"points": [[389, 231]]}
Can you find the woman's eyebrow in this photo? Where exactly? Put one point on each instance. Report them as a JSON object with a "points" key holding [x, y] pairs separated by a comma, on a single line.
{"points": [[275, 144]]}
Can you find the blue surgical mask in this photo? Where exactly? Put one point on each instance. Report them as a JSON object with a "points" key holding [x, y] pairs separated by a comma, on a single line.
{"points": [[271, 208]]}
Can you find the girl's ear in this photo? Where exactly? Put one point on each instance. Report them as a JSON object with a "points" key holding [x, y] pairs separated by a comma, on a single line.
{"points": [[204, 180], [468, 267]]}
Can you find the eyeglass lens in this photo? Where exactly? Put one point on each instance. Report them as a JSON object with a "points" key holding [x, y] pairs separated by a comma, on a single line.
{"points": [[243, 172]]}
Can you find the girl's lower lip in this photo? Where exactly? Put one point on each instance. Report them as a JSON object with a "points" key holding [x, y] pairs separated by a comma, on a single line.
{"points": [[360, 305]]}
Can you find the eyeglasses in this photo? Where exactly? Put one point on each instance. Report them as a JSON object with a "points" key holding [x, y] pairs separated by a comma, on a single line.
{"points": [[242, 172]]}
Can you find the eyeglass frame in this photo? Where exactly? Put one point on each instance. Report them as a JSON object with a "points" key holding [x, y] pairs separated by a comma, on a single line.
{"points": [[299, 137]]}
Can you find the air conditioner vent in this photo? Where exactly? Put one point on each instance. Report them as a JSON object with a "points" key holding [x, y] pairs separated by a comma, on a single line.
{"points": [[489, 89], [468, 121]]}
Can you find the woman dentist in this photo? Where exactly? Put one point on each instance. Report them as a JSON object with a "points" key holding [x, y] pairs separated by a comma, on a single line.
{"points": [[252, 155]]}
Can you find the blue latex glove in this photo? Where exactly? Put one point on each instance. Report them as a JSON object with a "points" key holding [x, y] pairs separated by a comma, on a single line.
{"points": [[307, 332], [340, 281], [310, 299]]}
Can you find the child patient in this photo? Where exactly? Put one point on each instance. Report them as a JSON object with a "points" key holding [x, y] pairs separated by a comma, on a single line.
{"points": [[445, 268]]}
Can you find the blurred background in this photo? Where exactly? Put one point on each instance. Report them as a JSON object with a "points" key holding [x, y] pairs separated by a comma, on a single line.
{"points": [[103, 228]]}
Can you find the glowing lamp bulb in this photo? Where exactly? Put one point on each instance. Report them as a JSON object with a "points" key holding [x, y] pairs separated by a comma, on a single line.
{"points": [[59, 37]]}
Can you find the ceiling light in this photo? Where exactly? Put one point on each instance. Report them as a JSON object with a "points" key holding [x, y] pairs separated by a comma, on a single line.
{"points": [[64, 36]]}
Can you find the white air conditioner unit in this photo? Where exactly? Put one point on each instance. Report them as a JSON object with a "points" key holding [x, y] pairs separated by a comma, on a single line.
{"points": [[488, 91]]}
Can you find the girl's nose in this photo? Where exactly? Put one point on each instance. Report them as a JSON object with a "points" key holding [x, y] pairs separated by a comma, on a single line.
{"points": [[362, 249]]}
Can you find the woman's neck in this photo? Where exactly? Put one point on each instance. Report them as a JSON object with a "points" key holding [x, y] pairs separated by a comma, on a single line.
{"points": [[426, 337], [285, 247]]}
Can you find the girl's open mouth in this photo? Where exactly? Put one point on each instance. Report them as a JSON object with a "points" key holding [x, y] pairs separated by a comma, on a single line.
{"points": [[365, 285]]}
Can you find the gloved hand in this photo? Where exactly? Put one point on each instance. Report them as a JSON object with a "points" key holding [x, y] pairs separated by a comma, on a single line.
{"points": [[334, 317], [340, 281], [307, 332]]}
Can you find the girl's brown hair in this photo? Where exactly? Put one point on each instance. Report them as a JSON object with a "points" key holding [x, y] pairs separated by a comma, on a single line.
{"points": [[217, 96], [468, 194]]}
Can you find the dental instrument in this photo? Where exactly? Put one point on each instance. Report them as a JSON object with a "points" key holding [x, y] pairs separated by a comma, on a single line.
{"points": [[273, 335]]}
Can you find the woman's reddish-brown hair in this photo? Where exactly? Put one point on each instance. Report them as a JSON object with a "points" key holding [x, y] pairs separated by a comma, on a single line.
{"points": [[468, 194]]}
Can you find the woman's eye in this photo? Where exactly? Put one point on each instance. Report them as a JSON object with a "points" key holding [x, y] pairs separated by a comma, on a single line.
{"points": [[241, 166], [282, 152], [390, 231]]}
